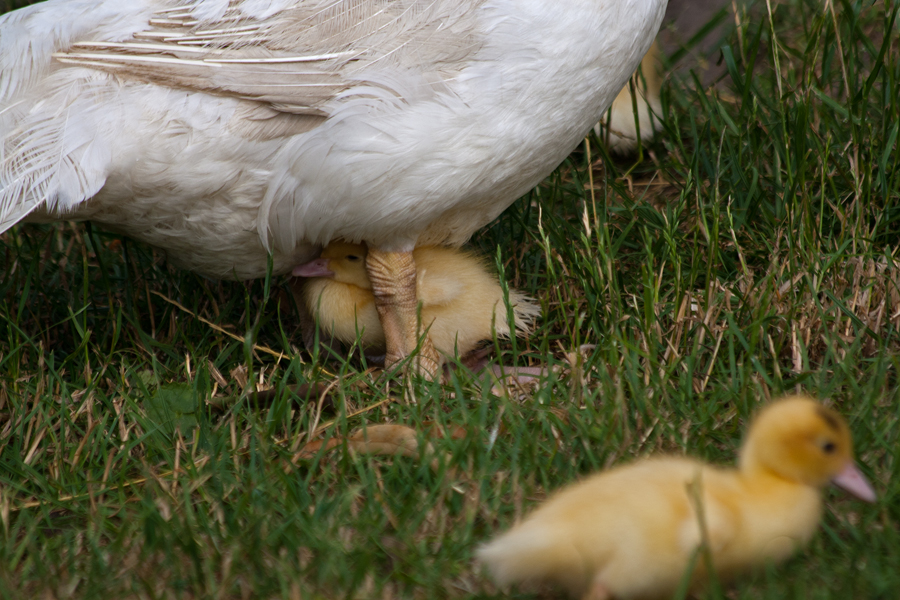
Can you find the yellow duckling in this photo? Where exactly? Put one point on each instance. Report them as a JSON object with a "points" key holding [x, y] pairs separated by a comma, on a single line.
{"points": [[623, 133], [461, 301], [632, 531]]}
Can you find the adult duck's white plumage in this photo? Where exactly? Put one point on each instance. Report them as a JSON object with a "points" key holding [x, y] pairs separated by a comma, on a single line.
{"points": [[223, 130]]}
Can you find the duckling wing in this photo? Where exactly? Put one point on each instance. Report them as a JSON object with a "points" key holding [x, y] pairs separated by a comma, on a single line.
{"points": [[712, 521], [436, 288]]}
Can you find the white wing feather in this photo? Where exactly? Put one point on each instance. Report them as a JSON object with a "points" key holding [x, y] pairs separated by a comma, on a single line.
{"points": [[222, 130], [293, 56]]}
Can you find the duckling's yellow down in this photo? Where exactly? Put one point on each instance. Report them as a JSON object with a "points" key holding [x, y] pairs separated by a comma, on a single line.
{"points": [[461, 301], [632, 531]]}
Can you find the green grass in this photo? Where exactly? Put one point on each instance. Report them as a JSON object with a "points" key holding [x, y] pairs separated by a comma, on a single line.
{"points": [[752, 250]]}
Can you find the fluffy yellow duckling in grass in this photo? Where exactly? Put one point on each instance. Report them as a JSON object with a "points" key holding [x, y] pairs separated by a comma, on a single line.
{"points": [[461, 300], [618, 128], [632, 531]]}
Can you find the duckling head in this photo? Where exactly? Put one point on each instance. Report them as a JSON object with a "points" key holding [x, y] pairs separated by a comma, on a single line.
{"points": [[340, 261], [800, 440]]}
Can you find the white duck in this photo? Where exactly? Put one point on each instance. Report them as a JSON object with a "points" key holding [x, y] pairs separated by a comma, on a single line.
{"points": [[226, 130]]}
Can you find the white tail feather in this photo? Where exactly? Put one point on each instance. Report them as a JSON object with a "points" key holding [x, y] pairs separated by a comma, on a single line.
{"points": [[49, 158]]}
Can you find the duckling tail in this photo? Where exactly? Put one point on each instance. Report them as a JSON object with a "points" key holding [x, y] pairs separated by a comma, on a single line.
{"points": [[525, 311], [533, 555]]}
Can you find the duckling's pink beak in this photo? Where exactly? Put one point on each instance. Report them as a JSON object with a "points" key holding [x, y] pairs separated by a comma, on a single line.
{"points": [[315, 268], [852, 480]]}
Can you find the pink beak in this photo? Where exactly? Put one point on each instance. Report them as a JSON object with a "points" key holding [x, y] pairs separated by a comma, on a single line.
{"points": [[852, 480], [315, 268]]}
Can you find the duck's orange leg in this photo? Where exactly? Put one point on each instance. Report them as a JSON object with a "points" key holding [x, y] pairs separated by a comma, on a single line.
{"points": [[393, 277], [597, 591]]}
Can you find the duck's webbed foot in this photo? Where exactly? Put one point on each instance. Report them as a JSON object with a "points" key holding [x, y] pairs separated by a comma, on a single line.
{"points": [[393, 277]]}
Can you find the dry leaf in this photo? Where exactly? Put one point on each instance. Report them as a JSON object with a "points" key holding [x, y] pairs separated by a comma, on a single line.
{"points": [[508, 378], [239, 375], [374, 439], [385, 440]]}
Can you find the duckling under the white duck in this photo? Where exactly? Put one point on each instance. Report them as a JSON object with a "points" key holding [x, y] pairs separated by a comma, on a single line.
{"points": [[619, 128], [461, 302], [225, 131]]}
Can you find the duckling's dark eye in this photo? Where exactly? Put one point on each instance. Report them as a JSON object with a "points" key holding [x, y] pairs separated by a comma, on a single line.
{"points": [[352, 257], [829, 447]]}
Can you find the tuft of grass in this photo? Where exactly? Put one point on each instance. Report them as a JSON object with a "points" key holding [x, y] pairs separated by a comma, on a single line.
{"points": [[751, 250]]}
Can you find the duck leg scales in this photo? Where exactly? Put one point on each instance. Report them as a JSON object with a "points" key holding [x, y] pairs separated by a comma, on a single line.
{"points": [[393, 277], [597, 591]]}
